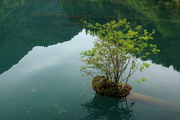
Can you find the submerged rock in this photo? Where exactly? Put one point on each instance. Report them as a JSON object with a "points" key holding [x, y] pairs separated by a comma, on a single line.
{"points": [[106, 87]]}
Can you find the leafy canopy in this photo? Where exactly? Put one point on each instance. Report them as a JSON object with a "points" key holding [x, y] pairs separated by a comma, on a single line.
{"points": [[117, 50]]}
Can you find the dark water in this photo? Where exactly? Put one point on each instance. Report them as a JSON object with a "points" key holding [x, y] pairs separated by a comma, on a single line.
{"points": [[40, 42]]}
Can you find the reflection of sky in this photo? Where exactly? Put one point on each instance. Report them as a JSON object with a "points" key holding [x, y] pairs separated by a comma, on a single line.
{"points": [[160, 80], [42, 57], [161, 83], [53, 72]]}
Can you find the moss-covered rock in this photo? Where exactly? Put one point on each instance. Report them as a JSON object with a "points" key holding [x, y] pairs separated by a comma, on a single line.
{"points": [[106, 87]]}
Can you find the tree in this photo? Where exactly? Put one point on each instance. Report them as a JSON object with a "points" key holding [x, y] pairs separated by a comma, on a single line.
{"points": [[116, 50]]}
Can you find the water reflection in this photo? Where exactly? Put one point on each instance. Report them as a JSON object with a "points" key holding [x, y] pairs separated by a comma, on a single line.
{"points": [[108, 108], [31, 24], [42, 73], [42, 23]]}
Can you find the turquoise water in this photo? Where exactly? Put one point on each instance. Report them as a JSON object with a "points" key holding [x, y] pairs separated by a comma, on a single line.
{"points": [[40, 44], [45, 84]]}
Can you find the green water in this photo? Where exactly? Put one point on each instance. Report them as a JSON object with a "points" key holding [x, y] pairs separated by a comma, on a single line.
{"points": [[40, 44]]}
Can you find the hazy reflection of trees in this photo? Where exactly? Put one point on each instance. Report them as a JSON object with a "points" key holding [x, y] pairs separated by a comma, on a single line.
{"points": [[162, 15], [107, 108]]}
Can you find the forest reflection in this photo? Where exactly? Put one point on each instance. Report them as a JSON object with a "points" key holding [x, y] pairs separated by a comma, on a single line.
{"points": [[51, 22]]}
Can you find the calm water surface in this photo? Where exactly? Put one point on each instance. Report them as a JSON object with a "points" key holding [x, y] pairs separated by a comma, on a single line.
{"points": [[41, 81]]}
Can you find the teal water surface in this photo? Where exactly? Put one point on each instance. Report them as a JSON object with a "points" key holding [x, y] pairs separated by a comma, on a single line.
{"points": [[40, 44], [43, 78]]}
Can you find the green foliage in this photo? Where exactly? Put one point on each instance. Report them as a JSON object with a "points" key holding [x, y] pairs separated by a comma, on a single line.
{"points": [[141, 80], [116, 50]]}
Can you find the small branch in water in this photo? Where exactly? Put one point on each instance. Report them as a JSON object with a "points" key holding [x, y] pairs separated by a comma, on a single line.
{"points": [[85, 90]]}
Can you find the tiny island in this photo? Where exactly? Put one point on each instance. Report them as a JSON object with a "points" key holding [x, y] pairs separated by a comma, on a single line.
{"points": [[119, 48]]}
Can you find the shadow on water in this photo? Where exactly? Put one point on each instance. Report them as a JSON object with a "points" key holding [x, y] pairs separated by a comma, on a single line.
{"points": [[107, 108], [133, 107]]}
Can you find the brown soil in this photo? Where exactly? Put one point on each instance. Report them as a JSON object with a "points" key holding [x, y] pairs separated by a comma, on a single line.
{"points": [[106, 87]]}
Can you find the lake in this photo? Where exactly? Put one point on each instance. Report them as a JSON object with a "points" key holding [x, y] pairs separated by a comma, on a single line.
{"points": [[40, 43]]}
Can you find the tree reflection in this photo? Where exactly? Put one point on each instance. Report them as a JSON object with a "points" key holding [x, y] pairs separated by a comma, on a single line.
{"points": [[108, 108]]}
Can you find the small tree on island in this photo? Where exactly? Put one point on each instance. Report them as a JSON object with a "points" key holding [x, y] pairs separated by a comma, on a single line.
{"points": [[116, 50]]}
